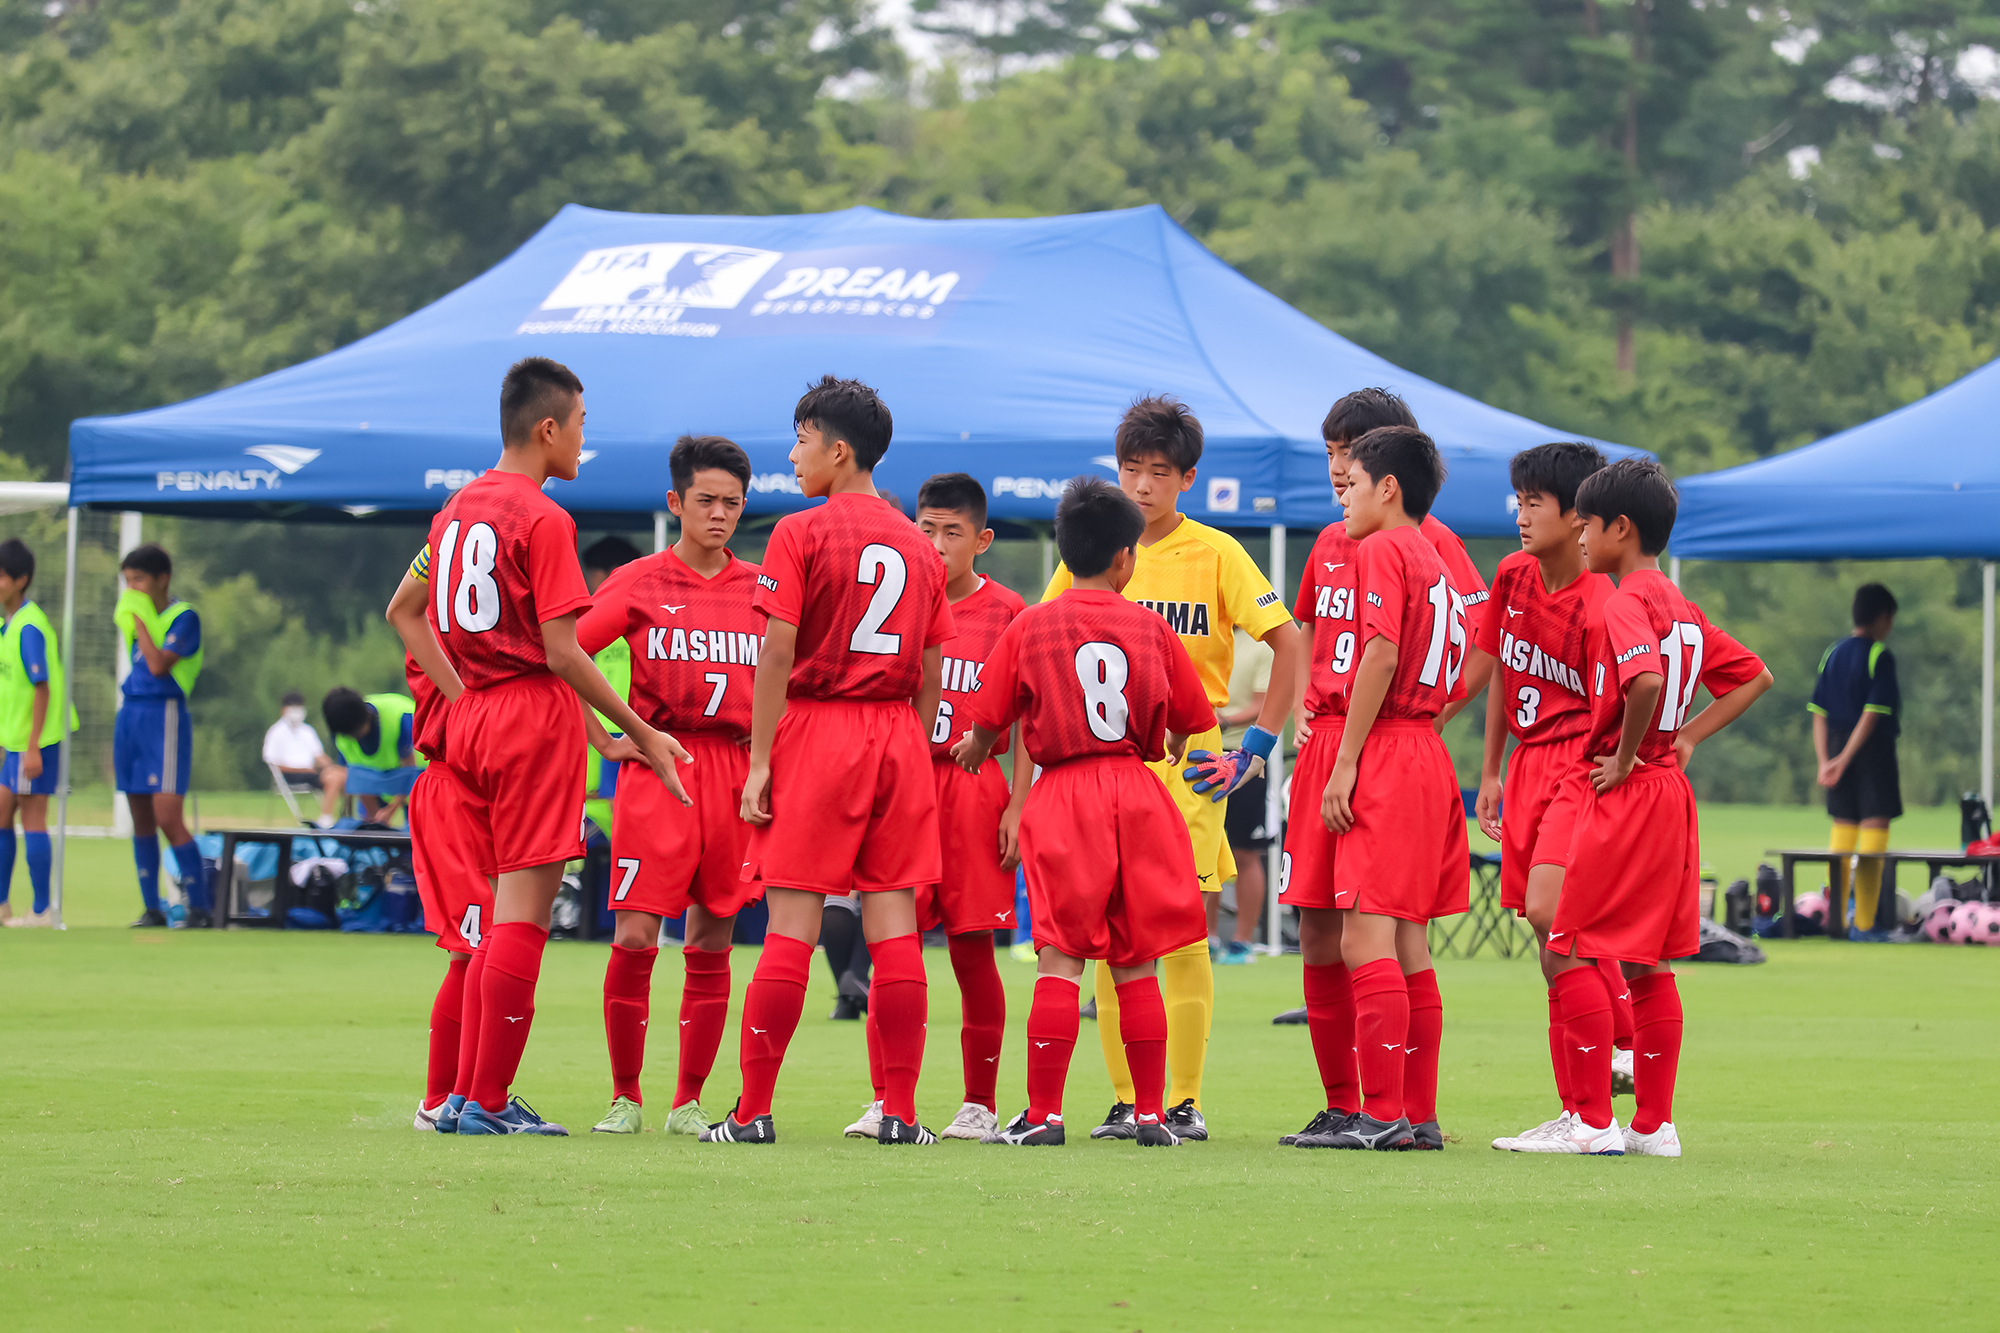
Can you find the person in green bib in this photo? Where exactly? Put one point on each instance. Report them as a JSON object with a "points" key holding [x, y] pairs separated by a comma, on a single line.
{"points": [[31, 687], [152, 743], [376, 737], [599, 560]]}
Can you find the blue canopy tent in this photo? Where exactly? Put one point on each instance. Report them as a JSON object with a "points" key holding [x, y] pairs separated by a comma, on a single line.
{"points": [[1915, 484]]}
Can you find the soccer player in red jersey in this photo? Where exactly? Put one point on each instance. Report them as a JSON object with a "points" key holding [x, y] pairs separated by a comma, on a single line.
{"points": [[1543, 598], [1390, 795], [1098, 683], [506, 589], [1632, 889], [686, 616], [839, 784]]}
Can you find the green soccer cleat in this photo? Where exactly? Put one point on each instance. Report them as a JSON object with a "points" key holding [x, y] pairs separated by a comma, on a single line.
{"points": [[687, 1118], [624, 1117]]}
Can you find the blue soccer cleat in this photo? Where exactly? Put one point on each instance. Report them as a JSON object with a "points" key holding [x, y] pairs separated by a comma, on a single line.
{"points": [[447, 1115], [517, 1118]]}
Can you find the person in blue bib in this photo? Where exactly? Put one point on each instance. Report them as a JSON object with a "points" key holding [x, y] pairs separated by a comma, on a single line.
{"points": [[376, 737], [31, 689], [152, 745]]}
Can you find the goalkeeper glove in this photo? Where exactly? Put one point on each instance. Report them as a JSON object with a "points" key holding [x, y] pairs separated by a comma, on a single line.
{"points": [[1217, 775]]}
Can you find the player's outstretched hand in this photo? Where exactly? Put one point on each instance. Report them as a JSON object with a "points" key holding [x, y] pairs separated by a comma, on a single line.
{"points": [[663, 754], [1217, 775], [1609, 773], [1010, 839], [757, 795], [1337, 806], [621, 750], [1487, 808]]}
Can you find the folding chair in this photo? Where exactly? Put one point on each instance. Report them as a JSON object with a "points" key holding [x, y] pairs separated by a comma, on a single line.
{"points": [[289, 792]]}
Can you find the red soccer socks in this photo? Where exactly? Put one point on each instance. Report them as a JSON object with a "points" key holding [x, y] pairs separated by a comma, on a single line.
{"points": [[1621, 1002], [1420, 1046], [1559, 1050], [442, 1071], [704, 1006], [872, 1030], [628, 997], [507, 1004], [1586, 1011], [1381, 1029], [772, 1004], [1656, 1049], [983, 1009], [1052, 1028], [1330, 1019], [472, 1005], [1142, 1024], [899, 1004]]}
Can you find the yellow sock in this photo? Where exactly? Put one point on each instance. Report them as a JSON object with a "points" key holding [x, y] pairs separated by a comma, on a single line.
{"points": [[1187, 985], [1841, 841], [1111, 1039], [1870, 843]]}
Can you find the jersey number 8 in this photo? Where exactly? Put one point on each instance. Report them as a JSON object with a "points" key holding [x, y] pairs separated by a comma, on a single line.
{"points": [[474, 605], [1102, 670]]}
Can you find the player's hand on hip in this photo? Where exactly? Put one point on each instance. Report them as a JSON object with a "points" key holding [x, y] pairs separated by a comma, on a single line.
{"points": [[757, 795], [1610, 772], [1336, 808], [664, 754], [1487, 808], [1683, 751], [1010, 839]]}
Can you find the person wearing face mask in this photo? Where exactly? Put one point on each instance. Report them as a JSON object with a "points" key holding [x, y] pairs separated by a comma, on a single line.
{"points": [[293, 748]]}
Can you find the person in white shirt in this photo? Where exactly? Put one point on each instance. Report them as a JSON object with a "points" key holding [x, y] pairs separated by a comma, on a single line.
{"points": [[293, 748]]}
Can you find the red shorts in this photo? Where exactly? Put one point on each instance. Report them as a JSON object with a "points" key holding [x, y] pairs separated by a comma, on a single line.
{"points": [[665, 855], [445, 853], [975, 893], [1633, 889], [1406, 854], [1305, 873], [853, 806], [519, 749], [1541, 802], [1110, 864]]}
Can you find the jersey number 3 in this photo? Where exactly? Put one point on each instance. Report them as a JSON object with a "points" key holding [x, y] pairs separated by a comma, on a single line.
{"points": [[474, 605], [882, 566]]}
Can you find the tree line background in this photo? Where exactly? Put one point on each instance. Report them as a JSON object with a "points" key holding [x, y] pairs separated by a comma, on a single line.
{"points": [[1710, 229]]}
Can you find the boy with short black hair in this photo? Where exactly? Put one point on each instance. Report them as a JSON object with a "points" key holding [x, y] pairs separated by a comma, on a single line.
{"points": [[839, 778], [1399, 859], [1631, 892], [152, 746], [1543, 600], [1204, 584], [1098, 685], [1855, 709], [376, 736], [31, 687], [693, 640]]}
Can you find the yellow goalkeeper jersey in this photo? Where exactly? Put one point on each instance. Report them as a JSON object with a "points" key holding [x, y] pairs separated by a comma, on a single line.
{"points": [[1204, 584]]}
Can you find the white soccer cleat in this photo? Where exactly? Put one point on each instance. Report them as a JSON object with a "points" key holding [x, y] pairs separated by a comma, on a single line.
{"points": [[973, 1122], [1547, 1129], [1662, 1142], [869, 1125], [427, 1121], [1580, 1140], [1621, 1072]]}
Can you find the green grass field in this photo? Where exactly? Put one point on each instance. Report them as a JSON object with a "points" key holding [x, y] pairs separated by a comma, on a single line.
{"points": [[213, 1131]]}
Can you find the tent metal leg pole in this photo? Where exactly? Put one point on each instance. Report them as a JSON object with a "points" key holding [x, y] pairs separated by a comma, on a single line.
{"points": [[68, 643], [1048, 544], [1274, 789], [1986, 684], [1674, 570], [659, 531]]}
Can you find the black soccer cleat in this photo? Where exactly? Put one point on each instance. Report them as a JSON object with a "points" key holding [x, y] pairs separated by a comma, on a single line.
{"points": [[1291, 1017], [1022, 1132], [1326, 1122], [896, 1131], [729, 1129], [1089, 1009], [1118, 1124], [1427, 1137], [1155, 1134], [198, 920], [1364, 1131], [845, 1010], [152, 916], [1186, 1122]]}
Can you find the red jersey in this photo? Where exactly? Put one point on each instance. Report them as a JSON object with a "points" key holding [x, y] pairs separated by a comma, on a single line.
{"points": [[695, 641], [503, 562], [1091, 676], [977, 622], [1326, 603], [1464, 574], [1405, 596], [1540, 638], [1647, 628], [866, 591]]}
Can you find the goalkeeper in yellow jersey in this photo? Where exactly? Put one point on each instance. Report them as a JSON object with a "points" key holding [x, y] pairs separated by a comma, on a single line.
{"points": [[1204, 584]]}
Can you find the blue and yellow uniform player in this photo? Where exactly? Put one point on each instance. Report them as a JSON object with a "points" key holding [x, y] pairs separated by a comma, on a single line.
{"points": [[31, 689], [152, 746], [377, 739], [1856, 711]]}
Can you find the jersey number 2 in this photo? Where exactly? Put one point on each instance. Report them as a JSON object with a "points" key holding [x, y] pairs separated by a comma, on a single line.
{"points": [[882, 566], [474, 606]]}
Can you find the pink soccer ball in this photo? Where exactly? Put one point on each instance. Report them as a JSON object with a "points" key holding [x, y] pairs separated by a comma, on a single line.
{"points": [[1964, 917], [1937, 923], [1985, 924], [1811, 910]]}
